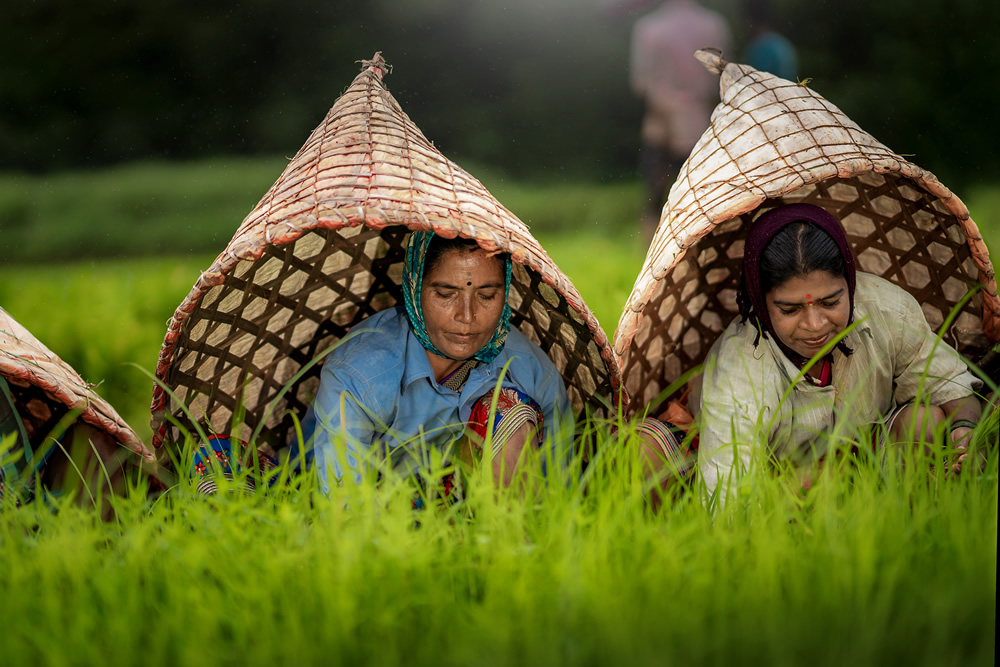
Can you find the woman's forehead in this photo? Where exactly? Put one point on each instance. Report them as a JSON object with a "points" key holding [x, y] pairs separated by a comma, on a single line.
{"points": [[813, 285], [460, 262]]}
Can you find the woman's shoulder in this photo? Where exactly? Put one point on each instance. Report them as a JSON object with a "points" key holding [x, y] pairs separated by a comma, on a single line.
{"points": [[737, 339], [738, 356], [533, 371], [389, 323], [738, 372], [871, 287], [377, 340]]}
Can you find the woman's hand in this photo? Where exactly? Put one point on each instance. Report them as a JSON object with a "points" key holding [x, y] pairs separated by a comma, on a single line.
{"points": [[961, 438], [964, 414]]}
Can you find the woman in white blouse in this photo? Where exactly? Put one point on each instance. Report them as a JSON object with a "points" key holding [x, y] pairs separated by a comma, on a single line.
{"points": [[822, 352]]}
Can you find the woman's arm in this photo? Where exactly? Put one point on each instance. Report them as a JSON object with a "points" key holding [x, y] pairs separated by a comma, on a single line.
{"points": [[532, 372], [343, 410], [727, 439], [929, 368], [555, 405], [924, 366], [967, 408], [733, 419]]}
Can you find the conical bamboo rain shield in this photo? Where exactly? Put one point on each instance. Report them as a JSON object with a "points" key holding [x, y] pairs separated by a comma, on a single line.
{"points": [[774, 142], [45, 388], [324, 249]]}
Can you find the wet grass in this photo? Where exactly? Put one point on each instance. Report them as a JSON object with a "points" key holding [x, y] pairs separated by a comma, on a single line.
{"points": [[867, 568]]}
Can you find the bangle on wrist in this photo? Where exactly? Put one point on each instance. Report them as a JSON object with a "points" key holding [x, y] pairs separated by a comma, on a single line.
{"points": [[963, 423]]}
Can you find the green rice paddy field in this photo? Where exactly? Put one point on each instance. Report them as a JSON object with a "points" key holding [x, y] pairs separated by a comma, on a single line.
{"points": [[868, 568]]}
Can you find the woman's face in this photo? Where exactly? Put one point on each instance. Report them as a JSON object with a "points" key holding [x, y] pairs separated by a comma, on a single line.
{"points": [[462, 298], [807, 312]]}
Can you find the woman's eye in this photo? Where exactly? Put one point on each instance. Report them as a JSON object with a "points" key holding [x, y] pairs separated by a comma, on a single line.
{"points": [[831, 304], [444, 295], [488, 297], [788, 311]]}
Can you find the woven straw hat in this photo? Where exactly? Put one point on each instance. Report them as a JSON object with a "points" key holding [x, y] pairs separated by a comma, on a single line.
{"points": [[773, 142], [45, 388], [324, 249]]}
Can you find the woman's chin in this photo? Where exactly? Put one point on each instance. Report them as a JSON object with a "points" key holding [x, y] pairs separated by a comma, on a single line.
{"points": [[457, 353], [458, 349]]}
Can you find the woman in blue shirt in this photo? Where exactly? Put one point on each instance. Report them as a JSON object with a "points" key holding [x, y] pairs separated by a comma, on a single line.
{"points": [[414, 377]]}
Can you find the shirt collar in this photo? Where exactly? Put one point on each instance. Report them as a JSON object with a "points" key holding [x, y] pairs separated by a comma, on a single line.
{"points": [[416, 364]]}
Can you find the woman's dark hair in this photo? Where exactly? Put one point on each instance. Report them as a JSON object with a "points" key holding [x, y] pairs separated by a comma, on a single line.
{"points": [[440, 245], [786, 242], [797, 250]]}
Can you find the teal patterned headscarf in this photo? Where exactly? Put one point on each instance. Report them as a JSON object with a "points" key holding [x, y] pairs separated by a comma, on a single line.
{"points": [[413, 278]]}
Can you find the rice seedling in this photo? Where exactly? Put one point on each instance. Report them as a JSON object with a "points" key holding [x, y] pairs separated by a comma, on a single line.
{"points": [[871, 564], [865, 567]]}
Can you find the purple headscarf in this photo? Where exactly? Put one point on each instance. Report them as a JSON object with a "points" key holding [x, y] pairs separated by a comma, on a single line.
{"points": [[751, 298]]}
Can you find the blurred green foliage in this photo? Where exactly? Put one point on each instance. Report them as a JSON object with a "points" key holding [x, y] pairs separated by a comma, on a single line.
{"points": [[103, 319], [538, 90], [110, 81], [180, 208], [137, 209]]}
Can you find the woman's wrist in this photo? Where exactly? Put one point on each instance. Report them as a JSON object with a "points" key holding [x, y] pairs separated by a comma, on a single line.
{"points": [[963, 423], [960, 432]]}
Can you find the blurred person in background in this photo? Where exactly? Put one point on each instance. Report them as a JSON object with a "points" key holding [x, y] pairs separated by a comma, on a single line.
{"points": [[677, 91], [767, 50]]}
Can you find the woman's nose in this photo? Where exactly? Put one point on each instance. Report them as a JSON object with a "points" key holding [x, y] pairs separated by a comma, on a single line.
{"points": [[467, 310], [813, 318]]}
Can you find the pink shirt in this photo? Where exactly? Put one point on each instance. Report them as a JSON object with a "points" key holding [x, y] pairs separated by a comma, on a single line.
{"points": [[679, 92]]}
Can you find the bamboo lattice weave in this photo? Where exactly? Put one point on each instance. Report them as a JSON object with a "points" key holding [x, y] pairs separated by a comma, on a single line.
{"points": [[772, 141], [45, 388], [324, 249]]}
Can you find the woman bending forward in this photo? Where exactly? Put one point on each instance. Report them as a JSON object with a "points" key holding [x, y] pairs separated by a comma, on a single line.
{"points": [[799, 292], [427, 371]]}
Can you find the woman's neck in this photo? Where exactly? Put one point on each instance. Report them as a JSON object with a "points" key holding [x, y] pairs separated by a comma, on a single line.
{"points": [[821, 370], [442, 367]]}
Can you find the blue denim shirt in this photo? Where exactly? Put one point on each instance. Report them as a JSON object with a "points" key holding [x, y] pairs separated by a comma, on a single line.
{"points": [[378, 387]]}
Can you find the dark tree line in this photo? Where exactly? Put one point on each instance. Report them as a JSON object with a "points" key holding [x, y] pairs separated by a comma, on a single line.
{"points": [[535, 88]]}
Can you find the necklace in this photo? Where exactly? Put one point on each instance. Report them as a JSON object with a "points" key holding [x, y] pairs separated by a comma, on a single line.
{"points": [[457, 378], [825, 373]]}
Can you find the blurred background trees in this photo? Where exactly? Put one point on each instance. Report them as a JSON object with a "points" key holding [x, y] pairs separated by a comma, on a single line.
{"points": [[537, 89]]}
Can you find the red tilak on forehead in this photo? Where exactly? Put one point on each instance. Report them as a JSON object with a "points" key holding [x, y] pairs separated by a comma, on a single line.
{"points": [[752, 302]]}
